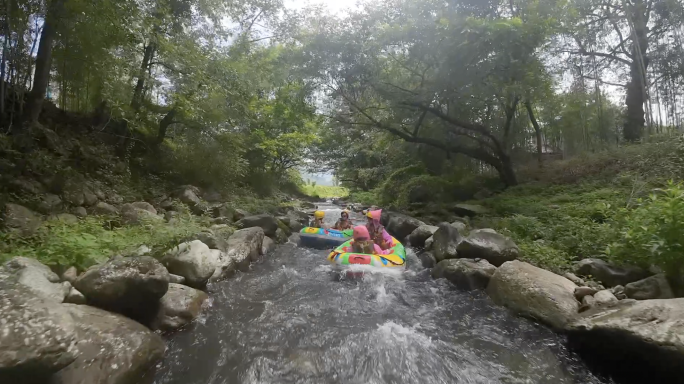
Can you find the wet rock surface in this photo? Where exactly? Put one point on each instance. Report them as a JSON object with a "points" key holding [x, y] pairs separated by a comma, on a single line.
{"points": [[489, 245], [192, 260], [610, 275], [179, 306], [465, 273]]}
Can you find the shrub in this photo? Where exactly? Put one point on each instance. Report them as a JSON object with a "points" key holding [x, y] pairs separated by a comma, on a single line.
{"points": [[652, 233]]}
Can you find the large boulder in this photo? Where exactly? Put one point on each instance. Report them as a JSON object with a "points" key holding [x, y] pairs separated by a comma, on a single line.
{"points": [[179, 306], [419, 235], [465, 273], [128, 285], [37, 337], [642, 337], [145, 206], [37, 278], [469, 210], [244, 247], [77, 193], [17, 218], [610, 275], [427, 259], [298, 220], [400, 225], [488, 245], [534, 292], [215, 237], [264, 221], [281, 236], [192, 260], [445, 242], [187, 194], [112, 349], [654, 287]]}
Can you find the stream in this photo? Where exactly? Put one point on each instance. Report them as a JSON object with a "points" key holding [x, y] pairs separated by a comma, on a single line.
{"points": [[294, 319]]}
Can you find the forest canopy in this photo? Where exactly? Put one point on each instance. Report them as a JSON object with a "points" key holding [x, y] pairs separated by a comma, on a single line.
{"points": [[246, 93]]}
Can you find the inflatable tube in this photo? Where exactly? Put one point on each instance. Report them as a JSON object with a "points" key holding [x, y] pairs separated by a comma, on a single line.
{"points": [[343, 255], [320, 238]]}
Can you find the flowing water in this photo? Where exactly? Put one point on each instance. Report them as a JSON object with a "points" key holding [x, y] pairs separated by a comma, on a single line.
{"points": [[294, 319]]}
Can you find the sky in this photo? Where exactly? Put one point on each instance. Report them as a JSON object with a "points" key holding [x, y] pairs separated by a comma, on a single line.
{"points": [[332, 5]]}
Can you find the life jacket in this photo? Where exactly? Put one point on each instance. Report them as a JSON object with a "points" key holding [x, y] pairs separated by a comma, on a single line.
{"points": [[317, 223], [376, 234], [342, 225], [363, 246]]}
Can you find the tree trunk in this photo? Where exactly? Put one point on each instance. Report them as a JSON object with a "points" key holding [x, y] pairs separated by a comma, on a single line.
{"points": [[636, 95], [140, 85], [537, 131], [506, 171], [164, 125], [41, 75]]}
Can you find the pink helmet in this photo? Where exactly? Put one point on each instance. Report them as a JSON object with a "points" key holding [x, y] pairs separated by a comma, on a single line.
{"points": [[361, 233], [375, 215]]}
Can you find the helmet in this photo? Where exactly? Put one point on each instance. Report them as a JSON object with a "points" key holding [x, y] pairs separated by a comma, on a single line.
{"points": [[360, 233], [343, 212], [319, 214]]}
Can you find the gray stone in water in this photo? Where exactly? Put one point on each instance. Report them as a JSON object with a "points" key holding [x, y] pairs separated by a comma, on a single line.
{"points": [[400, 225], [192, 260], [588, 302], [647, 333], [244, 247], [419, 235], [179, 307], [427, 259], [445, 242], [654, 287], [176, 279], [112, 349], [605, 298], [534, 292], [36, 277], [37, 336], [610, 275], [465, 273], [281, 236], [619, 292], [491, 246], [267, 246], [128, 285], [581, 292]]}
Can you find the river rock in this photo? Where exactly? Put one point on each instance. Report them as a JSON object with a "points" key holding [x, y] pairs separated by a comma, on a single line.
{"points": [[244, 247], [128, 285], [445, 242], [75, 297], [192, 260], [79, 212], [176, 279], [427, 259], [646, 335], [267, 246], [400, 225], [179, 307], [240, 214], [465, 273], [37, 336], [488, 245], [581, 292], [36, 277], [588, 302], [298, 220], [104, 209], [534, 292], [281, 236], [619, 292], [419, 235], [131, 215], [572, 277], [265, 221], [187, 194], [145, 206], [65, 218], [654, 287], [50, 203], [20, 219], [610, 275], [460, 227], [112, 349], [469, 210], [605, 298], [214, 238], [70, 275], [429, 243]]}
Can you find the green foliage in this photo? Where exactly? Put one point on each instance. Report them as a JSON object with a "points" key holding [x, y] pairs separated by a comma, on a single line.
{"points": [[392, 186], [651, 232], [88, 242], [325, 191]]}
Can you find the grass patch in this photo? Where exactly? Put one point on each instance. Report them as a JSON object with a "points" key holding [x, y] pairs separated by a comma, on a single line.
{"points": [[325, 191], [88, 242]]}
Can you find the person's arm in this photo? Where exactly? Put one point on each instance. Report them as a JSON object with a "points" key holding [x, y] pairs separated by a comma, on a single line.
{"points": [[378, 250], [388, 239]]}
